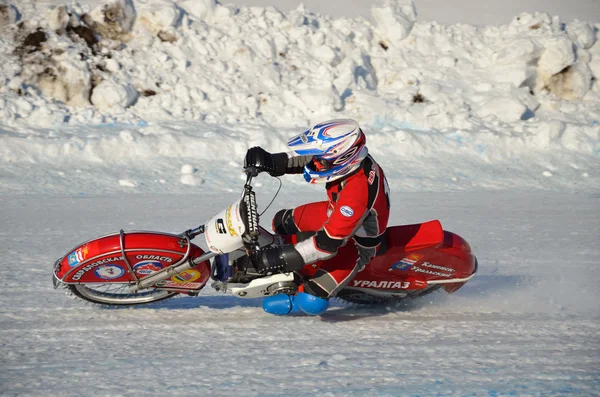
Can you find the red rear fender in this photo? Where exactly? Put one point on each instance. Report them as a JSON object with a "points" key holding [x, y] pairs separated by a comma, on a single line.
{"points": [[414, 237], [423, 252], [455, 241]]}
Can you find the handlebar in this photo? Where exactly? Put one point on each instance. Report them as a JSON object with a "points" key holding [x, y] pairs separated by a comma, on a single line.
{"points": [[251, 172], [248, 211]]}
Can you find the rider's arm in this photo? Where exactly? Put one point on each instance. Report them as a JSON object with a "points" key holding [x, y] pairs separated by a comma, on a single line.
{"points": [[276, 164], [289, 163]]}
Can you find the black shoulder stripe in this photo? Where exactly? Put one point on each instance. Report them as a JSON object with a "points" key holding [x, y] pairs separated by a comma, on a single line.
{"points": [[367, 164], [372, 173]]}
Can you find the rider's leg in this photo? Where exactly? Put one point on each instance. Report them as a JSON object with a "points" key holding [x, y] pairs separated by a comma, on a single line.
{"points": [[325, 282], [333, 274], [305, 218], [313, 296]]}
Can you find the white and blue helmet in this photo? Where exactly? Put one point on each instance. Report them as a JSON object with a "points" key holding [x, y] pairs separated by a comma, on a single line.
{"points": [[337, 146]]}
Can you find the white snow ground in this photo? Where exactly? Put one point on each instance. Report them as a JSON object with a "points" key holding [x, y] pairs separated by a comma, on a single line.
{"points": [[528, 324], [504, 150]]}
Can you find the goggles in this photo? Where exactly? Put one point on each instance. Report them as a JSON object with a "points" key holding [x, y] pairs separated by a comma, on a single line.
{"points": [[320, 164]]}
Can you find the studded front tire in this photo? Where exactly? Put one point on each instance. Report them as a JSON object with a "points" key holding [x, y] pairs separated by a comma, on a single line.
{"points": [[116, 294]]}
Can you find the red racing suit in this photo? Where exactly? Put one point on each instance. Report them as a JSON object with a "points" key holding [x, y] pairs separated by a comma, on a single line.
{"points": [[347, 229]]}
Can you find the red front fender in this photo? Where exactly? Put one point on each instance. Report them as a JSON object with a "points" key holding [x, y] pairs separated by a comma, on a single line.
{"points": [[123, 257]]}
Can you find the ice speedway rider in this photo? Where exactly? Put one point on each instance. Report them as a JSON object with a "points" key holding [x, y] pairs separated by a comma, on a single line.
{"points": [[345, 231]]}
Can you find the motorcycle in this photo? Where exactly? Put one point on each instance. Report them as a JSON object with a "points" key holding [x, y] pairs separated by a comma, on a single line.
{"points": [[138, 267]]}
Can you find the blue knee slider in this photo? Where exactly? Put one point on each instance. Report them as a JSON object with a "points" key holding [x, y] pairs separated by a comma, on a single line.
{"points": [[282, 304]]}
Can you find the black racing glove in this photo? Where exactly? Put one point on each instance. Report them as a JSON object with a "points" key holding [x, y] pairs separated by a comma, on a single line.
{"points": [[277, 259], [258, 160]]}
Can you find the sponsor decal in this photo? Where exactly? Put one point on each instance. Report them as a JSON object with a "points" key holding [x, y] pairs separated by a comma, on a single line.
{"points": [[347, 211], [146, 268], [381, 284], [73, 259], [109, 272], [155, 257], [406, 262], [372, 174], [304, 138], [371, 177], [77, 276], [431, 272], [78, 256], [419, 283], [230, 223], [437, 267], [172, 284], [187, 276], [220, 226]]}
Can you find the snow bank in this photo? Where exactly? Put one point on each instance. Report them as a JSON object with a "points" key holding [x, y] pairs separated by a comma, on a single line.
{"points": [[394, 20], [109, 94], [485, 94], [271, 67], [113, 20], [160, 16]]}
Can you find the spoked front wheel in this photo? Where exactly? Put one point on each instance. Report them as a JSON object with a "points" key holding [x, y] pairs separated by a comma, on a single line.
{"points": [[117, 294]]}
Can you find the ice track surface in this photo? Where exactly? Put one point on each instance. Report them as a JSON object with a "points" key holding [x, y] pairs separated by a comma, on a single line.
{"points": [[528, 324]]}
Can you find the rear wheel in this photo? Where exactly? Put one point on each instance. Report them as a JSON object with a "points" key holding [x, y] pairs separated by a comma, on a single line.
{"points": [[117, 294]]}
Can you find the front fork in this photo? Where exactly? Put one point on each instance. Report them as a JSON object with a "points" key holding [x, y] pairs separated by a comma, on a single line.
{"points": [[174, 270], [169, 272]]}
